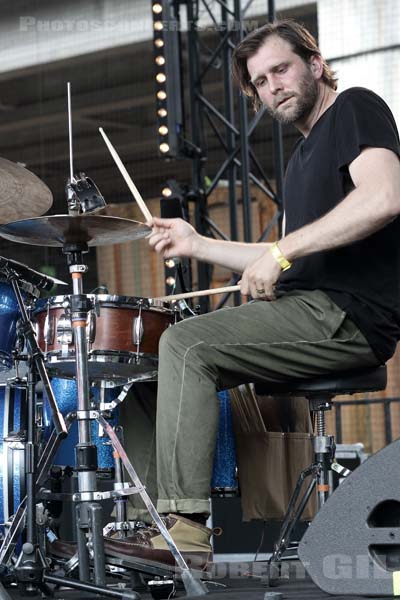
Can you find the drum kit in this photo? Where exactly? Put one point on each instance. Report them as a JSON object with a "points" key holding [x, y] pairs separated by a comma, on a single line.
{"points": [[70, 344]]}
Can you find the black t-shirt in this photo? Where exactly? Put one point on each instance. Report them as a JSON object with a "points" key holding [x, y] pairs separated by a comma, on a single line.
{"points": [[363, 278]]}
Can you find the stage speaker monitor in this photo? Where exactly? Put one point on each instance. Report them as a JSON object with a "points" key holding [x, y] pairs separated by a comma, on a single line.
{"points": [[353, 544]]}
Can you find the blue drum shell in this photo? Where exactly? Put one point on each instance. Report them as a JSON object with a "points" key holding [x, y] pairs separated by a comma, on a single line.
{"points": [[12, 464], [9, 315], [224, 468], [66, 394]]}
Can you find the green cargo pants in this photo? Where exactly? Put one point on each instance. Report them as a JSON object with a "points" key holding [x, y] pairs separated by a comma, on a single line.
{"points": [[301, 334]]}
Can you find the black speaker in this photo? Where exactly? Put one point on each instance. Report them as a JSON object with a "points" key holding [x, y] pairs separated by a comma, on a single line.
{"points": [[353, 544]]}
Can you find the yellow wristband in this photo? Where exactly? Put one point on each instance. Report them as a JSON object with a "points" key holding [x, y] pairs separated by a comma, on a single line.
{"points": [[280, 259]]}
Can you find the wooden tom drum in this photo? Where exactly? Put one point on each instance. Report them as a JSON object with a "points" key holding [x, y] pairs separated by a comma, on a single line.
{"points": [[122, 336]]}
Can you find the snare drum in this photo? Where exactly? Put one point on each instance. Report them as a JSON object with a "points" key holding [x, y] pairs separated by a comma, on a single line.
{"points": [[122, 336]]}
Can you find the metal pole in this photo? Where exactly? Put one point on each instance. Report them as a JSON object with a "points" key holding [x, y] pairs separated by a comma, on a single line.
{"points": [[277, 132], [244, 143], [230, 137], [198, 144], [88, 512]]}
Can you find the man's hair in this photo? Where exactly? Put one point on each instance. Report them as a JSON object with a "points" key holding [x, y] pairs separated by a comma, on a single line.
{"points": [[301, 41]]}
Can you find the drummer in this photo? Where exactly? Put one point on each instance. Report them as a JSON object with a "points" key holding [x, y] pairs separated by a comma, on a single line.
{"points": [[326, 296]]}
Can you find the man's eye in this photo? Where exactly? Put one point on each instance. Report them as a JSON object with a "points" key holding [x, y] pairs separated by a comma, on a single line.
{"points": [[260, 83]]}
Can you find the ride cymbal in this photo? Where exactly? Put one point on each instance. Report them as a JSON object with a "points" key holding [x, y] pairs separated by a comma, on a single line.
{"points": [[22, 194], [58, 230]]}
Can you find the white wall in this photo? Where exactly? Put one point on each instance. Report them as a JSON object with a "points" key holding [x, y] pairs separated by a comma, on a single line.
{"points": [[348, 27], [51, 30]]}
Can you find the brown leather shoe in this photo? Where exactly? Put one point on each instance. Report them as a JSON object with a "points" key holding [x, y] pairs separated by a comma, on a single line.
{"points": [[62, 549], [148, 546]]}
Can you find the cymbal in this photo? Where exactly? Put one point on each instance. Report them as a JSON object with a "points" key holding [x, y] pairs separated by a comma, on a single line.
{"points": [[22, 194], [58, 230]]}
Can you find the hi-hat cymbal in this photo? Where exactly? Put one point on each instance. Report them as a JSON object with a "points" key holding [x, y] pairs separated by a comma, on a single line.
{"points": [[22, 194], [58, 230]]}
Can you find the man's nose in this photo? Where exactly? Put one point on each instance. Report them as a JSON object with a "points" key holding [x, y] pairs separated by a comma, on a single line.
{"points": [[275, 85]]}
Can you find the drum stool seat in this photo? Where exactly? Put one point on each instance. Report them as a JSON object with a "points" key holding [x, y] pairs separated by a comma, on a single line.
{"points": [[320, 392], [347, 382]]}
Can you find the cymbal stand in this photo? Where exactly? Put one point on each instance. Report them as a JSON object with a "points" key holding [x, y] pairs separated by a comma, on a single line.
{"points": [[31, 563], [89, 512]]}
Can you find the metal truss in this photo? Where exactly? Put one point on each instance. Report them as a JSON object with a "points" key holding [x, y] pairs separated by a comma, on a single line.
{"points": [[232, 128]]}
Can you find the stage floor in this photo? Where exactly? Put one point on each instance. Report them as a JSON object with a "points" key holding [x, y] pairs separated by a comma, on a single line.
{"points": [[233, 581]]}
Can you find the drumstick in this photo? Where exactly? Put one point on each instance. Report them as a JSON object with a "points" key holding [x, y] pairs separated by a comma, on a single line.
{"points": [[126, 176], [221, 290]]}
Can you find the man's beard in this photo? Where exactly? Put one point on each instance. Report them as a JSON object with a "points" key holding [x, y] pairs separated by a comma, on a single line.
{"points": [[302, 102]]}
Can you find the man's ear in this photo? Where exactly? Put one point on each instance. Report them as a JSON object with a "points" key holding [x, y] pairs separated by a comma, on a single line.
{"points": [[316, 66]]}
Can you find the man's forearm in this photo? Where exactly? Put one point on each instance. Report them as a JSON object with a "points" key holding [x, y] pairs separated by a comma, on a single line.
{"points": [[234, 256], [356, 217]]}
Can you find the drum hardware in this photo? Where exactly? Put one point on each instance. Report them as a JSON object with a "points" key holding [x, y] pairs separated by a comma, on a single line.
{"points": [[88, 511], [108, 495], [31, 563], [83, 195], [186, 311], [137, 332], [71, 564], [42, 524], [93, 589], [120, 398], [64, 333], [121, 525], [47, 495]]}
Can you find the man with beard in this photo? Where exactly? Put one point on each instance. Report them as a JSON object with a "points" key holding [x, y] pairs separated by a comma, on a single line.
{"points": [[326, 295]]}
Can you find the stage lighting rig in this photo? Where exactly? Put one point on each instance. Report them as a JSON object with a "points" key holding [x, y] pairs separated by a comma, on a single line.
{"points": [[173, 204], [166, 44]]}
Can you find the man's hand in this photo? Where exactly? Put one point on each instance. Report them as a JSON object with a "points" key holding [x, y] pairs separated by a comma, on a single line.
{"points": [[172, 237], [259, 278]]}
